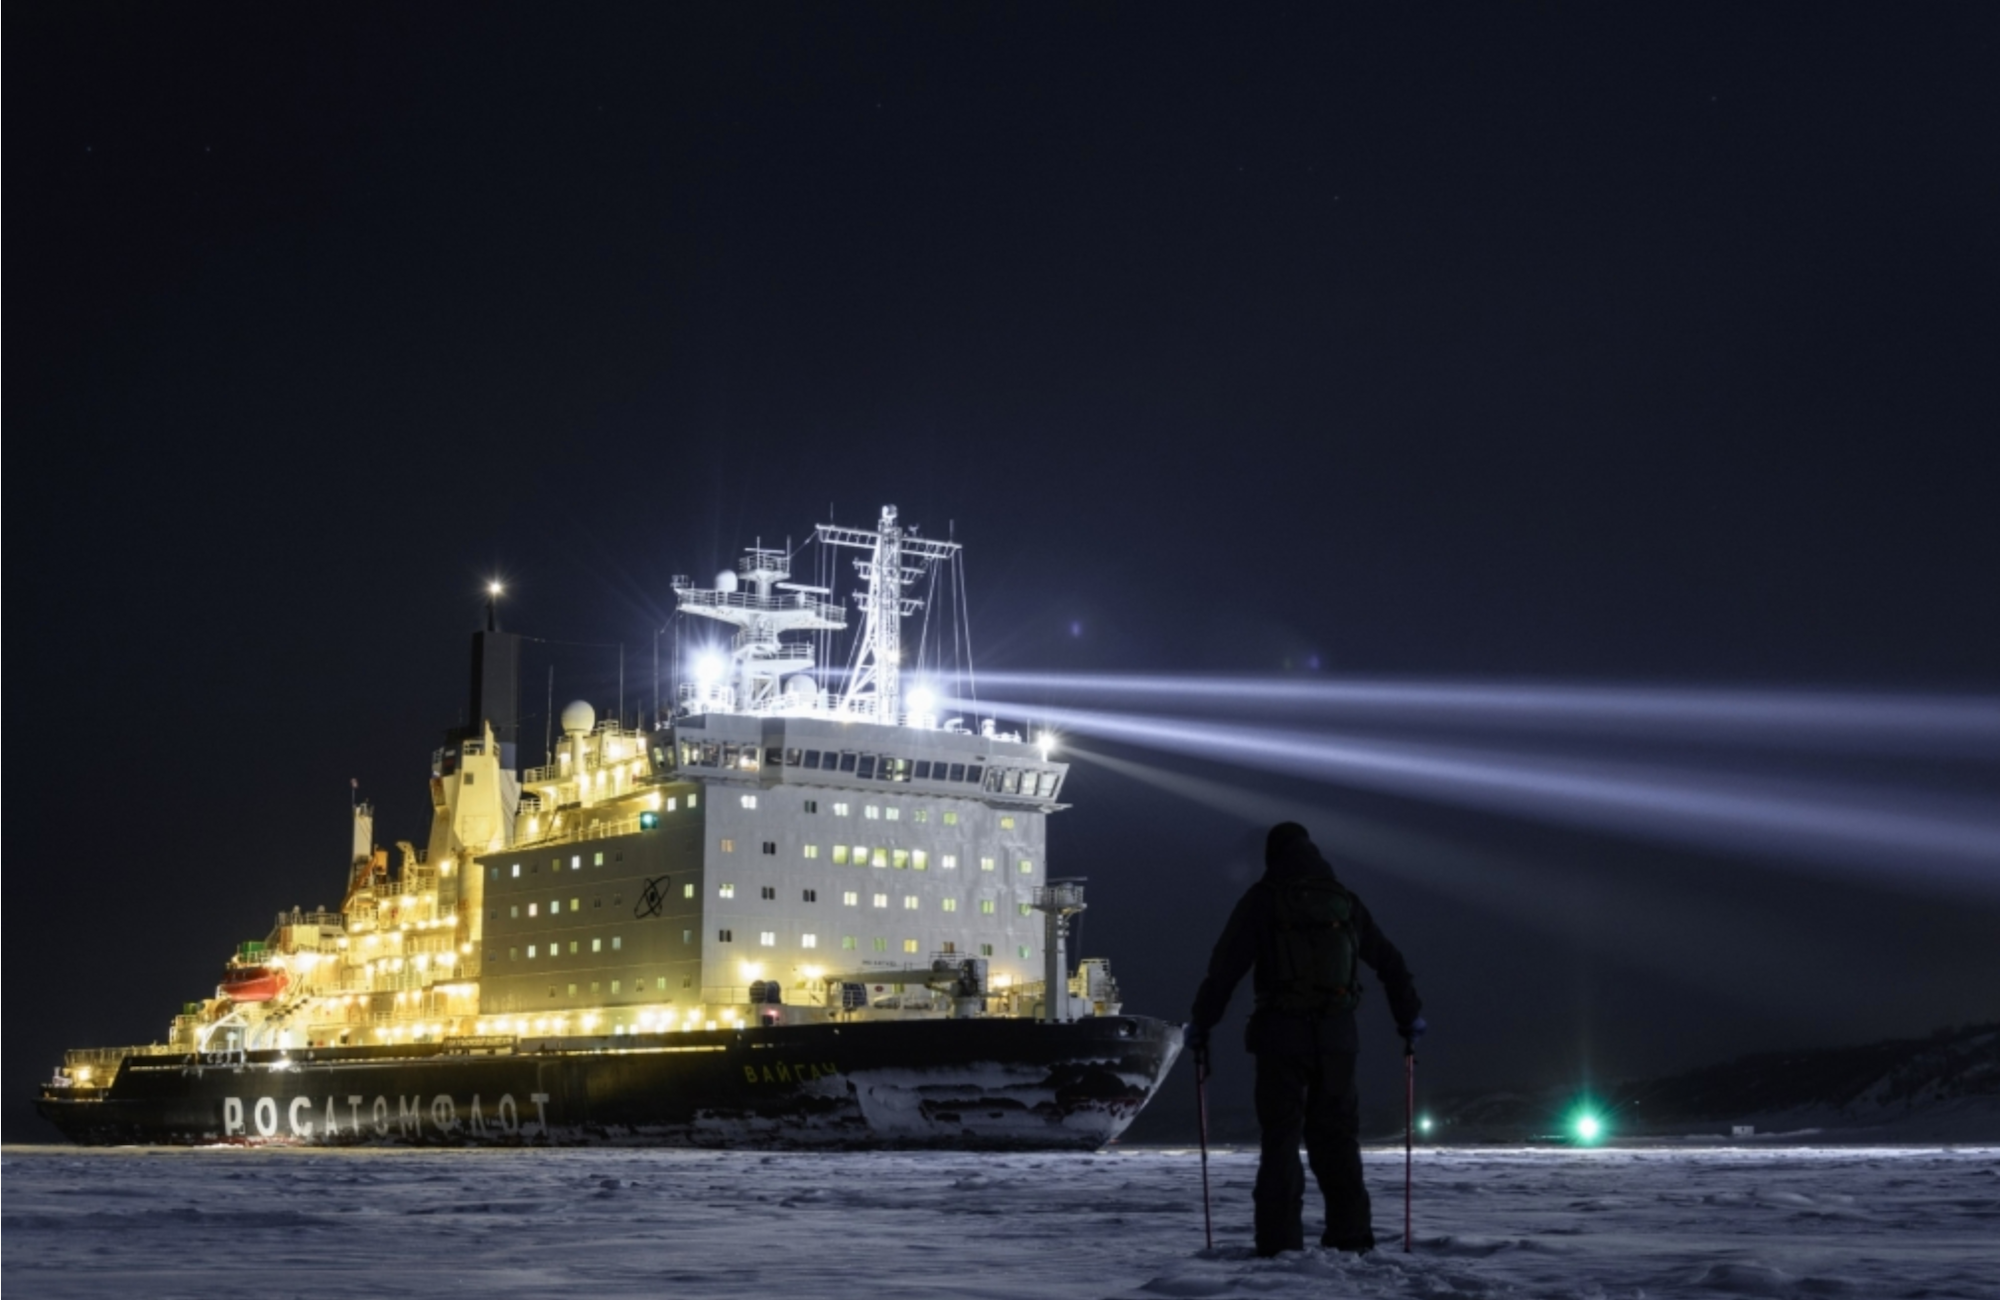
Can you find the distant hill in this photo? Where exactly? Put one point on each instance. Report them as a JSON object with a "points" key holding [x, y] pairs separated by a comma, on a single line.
{"points": [[1942, 1088]]}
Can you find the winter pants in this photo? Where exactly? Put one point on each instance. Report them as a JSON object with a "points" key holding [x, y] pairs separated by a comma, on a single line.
{"points": [[1310, 1096]]}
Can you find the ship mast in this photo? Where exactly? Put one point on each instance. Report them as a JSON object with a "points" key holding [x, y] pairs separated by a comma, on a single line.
{"points": [[895, 559]]}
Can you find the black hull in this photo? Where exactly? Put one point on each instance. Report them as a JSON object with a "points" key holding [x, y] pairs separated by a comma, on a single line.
{"points": [[955, 1084]]}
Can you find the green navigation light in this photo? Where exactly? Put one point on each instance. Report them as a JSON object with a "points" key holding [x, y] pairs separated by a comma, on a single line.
{"points": [[1424, 1124], [1588, 1129], [649, 821]]}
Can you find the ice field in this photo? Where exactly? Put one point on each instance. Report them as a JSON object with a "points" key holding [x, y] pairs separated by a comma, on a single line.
{"points": [[1127, 1223]]}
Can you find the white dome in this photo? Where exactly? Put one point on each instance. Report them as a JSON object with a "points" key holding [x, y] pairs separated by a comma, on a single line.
{"points": [[801, 686], [578, 718], [726, 580]]}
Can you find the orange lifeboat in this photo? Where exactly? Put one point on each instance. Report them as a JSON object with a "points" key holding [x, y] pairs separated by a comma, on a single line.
{"points": [[252, 983]]}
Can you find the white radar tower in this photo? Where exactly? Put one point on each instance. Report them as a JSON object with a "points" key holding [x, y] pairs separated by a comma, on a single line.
{"points": [[766, 674], [896, 558]]}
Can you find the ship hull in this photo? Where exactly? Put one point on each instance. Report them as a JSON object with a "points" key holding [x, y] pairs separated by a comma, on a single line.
{"points": [[952, 1084]]}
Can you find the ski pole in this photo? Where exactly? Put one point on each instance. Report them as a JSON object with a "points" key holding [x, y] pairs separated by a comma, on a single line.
{"points": [[1409, 1131], [1201, 1108]]}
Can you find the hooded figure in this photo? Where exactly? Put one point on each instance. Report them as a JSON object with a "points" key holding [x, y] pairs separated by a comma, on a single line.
{"points": [[1302, 932]]}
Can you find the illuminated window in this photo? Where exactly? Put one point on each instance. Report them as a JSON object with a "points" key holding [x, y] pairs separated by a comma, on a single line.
{"points": [[768, 938], [725, 936], [986, 864], [879, 859], [517, 870], [840, 810], [909, 945], [839, 855], [687, 890], [1006, 823], [661, 984], [555, 906], [921, 814], [1026, 909], [572, 946], [1027, 950], [514, 911], [881, 945], [574, 905], [531, 952], [694, 800], [616, 943], [847, 943], [951, 904], [911, 903], [597, 945], [920, 859], [808, 941], [614, 986], [598, 860], [749, 801], [1027, 867], [572, 990], [948, 861], [850, 898], [576, 862], [729, 846], [951, 819], [900, 858], [811, 850], [986, 907], [513, 954], [725, 891], [673, 802], [881, 900], [531, 908], [872, 812], [895, 814]]}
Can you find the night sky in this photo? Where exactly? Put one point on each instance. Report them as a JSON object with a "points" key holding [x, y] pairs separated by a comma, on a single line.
{"points": [[1487, 344]]}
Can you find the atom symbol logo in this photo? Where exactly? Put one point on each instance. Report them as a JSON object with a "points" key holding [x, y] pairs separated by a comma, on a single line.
{"points": [[652, 899]]}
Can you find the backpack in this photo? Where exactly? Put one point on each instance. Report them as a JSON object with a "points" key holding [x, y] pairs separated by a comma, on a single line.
{"points": [[1315, 949]]}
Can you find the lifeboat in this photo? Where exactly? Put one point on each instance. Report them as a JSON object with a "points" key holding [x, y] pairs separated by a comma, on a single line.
{"points": [[252, 983]]}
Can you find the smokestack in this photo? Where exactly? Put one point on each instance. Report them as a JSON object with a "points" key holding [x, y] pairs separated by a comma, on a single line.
{"points": [[496, 691]]}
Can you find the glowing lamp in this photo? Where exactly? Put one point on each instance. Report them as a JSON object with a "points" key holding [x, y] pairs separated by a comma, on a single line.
{"points": [[649, 820], [1588, 1128]]}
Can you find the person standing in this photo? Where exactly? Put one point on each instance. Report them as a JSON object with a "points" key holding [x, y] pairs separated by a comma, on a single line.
{"points": [[1304, 933]]}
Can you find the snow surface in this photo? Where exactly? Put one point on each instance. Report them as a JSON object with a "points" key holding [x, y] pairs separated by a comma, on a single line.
{"points": [[1126, 1223]]}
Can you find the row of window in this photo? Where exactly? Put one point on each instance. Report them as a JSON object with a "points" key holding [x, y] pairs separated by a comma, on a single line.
{"points": [[862, 855], [596, 987], [849, 943], [864, 767]]}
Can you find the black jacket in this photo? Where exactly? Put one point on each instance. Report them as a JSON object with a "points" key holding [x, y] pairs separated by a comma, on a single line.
{"points": [[1247, 942]]}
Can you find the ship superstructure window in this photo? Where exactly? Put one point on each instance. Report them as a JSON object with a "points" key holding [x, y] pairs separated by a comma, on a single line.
{"points": [[881, 900], [597, 945], [517, 870], [514, 911], [911, 902], [531, 952], [616, 943], [749, 801], [951, 819], [598, 860], [576, 862], [812, 805], [899, 858], [808, 941], [951, 904], [770, 848], [770, 892], [1006, 823], [531, 908], [985, 950], [909, 945], [840, 810], [881, 945], [1026, 909], [809, 896], [725, 891], [893, 814], [921, 815], [872, 812], [986, 907], [840, 855], [768, 938], [729, 846], [920, 860], [986, 864], [847, 943], [879, 858], [1027, 867], [949, 861], [687, 890], [1027, 950], [850, 898], [810, 851]]}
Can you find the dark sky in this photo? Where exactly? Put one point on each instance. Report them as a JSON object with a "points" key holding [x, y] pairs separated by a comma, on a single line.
{"points": [[1590, 343]]}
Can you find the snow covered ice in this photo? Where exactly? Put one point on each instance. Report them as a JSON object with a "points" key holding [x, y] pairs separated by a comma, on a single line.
{"points": [[1127, 1223]]}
